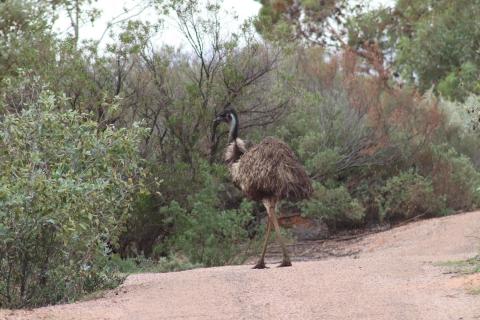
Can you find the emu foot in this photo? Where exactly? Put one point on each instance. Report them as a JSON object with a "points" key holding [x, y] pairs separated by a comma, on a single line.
{"points": [[260, 265], [285, 263]]}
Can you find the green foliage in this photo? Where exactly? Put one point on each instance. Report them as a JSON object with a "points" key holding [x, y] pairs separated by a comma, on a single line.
{"points": [[455, 177], [65, 191], [458, 85], [409, 194], [324, 163], [309, 20], [364, 146], [433, 44], [204, 232], [144, 227], [26, 36], [335, 206], [327, 132], [443, 42]]}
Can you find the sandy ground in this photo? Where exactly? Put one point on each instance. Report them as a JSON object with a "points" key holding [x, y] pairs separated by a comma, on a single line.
{"points": [[390, 275]]}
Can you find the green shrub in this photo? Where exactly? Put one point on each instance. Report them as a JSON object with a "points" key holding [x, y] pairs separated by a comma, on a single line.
{"points": [[145, 226], [335, 206], [327, 133], [205, 232], [66, 188], [323, 163], [460, 83], [409, 194], [454, 176], [151, 226]]}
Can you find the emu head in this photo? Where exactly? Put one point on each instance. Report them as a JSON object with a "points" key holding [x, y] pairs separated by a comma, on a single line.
{"points": [[230, 117], [227, 116]]}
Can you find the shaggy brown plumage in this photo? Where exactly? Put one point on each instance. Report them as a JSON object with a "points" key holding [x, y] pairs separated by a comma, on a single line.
{"points": [[268, 170]]}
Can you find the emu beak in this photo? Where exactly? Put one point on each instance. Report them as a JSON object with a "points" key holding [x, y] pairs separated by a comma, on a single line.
{"points": [[217, 120]]}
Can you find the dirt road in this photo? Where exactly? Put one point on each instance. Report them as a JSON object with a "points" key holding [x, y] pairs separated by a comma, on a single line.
{"points": [[394, 275]]}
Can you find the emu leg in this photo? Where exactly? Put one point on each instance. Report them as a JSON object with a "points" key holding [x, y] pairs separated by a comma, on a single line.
{"points": [[271, 212], [261, 263]]}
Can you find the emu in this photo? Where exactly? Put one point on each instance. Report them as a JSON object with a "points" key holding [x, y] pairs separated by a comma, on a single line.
{"points": [[267, 172]]}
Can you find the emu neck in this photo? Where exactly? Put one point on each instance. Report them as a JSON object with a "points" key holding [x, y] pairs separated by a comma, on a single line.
{"points": [[236, 147], [233, 134]]}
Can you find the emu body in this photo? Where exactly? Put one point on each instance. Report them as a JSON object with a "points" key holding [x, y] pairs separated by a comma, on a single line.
{"points": [[267, 172]]}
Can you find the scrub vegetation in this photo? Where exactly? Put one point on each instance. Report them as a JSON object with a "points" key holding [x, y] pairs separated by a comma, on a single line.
{"points": [[108, 163]]}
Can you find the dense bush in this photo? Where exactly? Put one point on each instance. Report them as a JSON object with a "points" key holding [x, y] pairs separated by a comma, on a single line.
{"points": [[360, 142], [334, 206], [410, 194], [194, 209], [204, 230], [453, 176], [65, 191]]}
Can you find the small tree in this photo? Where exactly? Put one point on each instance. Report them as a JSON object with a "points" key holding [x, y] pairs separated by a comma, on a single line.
{"points": [[65, 191]]}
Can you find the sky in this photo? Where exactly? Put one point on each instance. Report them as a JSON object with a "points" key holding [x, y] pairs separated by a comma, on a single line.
{"points": [[169, 34]]}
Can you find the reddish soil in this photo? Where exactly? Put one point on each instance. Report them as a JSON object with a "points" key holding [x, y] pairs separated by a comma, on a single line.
{"points": [[389, 275]]}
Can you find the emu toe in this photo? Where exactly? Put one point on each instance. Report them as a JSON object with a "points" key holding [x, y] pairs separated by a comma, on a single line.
{"points": [[260, 265], [285, 263]]}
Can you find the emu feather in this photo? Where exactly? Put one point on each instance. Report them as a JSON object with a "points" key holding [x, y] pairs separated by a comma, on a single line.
{"points": [[270, 169]]}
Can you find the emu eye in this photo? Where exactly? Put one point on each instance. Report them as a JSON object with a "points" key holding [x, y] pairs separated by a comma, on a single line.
{"points": [[229, 117]]}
